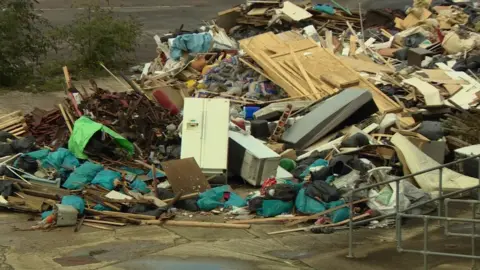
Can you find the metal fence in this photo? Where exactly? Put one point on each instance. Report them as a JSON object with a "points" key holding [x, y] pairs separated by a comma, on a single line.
{"points": [[444, 199]]}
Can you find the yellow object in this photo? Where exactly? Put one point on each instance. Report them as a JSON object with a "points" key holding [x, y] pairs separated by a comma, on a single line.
{"points": [[191, 84], [201, 86]]}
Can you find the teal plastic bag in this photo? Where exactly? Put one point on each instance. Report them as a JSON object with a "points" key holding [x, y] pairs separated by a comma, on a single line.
{"points": [[75, 201], [235, 200], [212, 199], [39, 154], [62, 158], [271, 208], [82, 176], [307, 205], [316, 163], [340, 214], [105, 179], [208, 204], [101, 207], [84, 129], [139, 186]]}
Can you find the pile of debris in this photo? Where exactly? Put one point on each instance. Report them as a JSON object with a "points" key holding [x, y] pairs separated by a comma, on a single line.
{"points": [[305, 101]]}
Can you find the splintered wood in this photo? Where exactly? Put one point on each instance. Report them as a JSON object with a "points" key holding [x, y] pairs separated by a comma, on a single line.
{"points": [[13, 123], [302, 68]]}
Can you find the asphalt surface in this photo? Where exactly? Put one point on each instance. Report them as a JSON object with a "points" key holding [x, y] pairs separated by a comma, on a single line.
{"points": [[162, 16]]}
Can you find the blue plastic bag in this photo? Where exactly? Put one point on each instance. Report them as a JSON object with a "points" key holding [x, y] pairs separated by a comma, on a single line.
{"points": [[140, 186], [307, 205], [82, 176], [75, 201], [106, 178]]}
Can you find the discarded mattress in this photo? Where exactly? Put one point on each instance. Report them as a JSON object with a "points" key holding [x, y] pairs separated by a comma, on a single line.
{"points": [[346, 108], [418, 161]]}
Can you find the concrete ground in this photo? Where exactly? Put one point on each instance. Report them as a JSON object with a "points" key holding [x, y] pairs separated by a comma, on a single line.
{"points": [[173, 248]]}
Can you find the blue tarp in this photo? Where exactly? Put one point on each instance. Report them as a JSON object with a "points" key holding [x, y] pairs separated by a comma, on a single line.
{"points": [[191, 43]]}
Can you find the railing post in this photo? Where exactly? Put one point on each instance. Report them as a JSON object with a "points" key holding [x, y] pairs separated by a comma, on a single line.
{"points": [[398, 220], [350, 228], [425, 243], [440, 190], [474, 232]]}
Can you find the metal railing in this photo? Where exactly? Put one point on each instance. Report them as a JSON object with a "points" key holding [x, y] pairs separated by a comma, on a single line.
{"points": [[443, 197]]}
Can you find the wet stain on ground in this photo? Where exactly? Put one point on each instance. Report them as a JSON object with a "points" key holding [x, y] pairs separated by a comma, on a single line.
{"points": [[75, 260], [121, 250], [291, 254]]}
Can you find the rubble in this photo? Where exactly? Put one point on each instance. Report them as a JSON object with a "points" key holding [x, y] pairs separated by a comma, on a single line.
{"points": [[303, 101]]}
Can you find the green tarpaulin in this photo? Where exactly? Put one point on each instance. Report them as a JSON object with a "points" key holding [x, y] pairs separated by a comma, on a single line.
{"points": [[84, 129]]}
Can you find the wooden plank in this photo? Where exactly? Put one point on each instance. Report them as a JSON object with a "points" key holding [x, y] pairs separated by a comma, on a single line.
{"points": [[257, 11], [322, 87], [452, 88], [105, 222], [304, 73], [119, 214], [329, 40], [353, 44], [320, 90], [11, 115], [185, 176], [200, 224], [285, 75]]}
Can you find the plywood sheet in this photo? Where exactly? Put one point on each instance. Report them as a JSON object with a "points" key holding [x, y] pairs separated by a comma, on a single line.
{"points": [[364, 66], [185, 176], [273, 55], [295, 12]]}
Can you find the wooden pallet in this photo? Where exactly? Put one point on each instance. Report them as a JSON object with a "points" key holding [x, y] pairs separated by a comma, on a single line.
{"points": [[13, 123]]}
